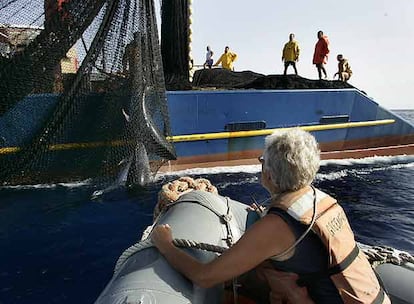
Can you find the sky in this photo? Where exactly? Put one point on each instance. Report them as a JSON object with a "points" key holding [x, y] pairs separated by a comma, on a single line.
{"points": [[376, 36]]}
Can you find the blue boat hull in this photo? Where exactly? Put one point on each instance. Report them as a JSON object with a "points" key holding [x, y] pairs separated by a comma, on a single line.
{"points": [[195, 112], [204, 126]]}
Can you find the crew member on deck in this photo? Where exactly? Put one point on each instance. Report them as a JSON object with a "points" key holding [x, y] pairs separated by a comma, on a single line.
{"points": [[209, 58], [290, 54], [320, 56], [227, 59], [344, 68], [303, 243]]}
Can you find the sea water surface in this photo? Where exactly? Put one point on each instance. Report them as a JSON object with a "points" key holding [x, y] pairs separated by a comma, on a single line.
{"points": [[59, 246]]}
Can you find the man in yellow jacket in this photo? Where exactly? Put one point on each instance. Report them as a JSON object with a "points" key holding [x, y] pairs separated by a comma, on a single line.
{"points": [[290, 54], [227, 59]]}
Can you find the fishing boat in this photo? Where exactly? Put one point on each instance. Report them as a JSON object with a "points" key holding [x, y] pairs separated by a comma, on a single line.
{"points": [[227, 127], [142, 275], [66, 116]]}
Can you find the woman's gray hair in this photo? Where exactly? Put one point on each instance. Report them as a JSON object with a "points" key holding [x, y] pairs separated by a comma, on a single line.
{"points": [[292, 158]]}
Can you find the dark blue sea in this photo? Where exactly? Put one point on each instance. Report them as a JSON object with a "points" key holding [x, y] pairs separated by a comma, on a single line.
{"points": [[59, 246]]}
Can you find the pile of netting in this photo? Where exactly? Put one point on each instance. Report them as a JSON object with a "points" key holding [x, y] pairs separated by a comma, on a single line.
{"points": [[82, 91], [225, 79]]}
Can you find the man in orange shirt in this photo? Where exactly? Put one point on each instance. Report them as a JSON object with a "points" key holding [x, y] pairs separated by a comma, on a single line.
{"points": [[320, 57]]}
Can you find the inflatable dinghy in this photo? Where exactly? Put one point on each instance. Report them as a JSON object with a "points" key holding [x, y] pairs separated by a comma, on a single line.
{"points": [[204, 221]]}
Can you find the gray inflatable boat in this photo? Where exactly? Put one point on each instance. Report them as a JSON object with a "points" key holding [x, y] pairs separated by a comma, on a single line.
{"points": [[201, 220]]}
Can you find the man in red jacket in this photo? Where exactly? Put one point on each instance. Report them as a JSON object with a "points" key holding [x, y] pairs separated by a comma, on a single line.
{"points": [[320, 57]]}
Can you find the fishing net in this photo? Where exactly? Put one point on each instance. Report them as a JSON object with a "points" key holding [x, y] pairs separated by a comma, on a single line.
{"points": [[225, 79], [82, 91]]}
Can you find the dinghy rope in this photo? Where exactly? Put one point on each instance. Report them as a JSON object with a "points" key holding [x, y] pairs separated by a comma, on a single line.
{"points": [[376, 255], [183, 243]]}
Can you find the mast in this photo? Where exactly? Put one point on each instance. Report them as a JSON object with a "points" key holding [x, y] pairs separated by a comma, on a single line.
{"points": [[175, 43]]}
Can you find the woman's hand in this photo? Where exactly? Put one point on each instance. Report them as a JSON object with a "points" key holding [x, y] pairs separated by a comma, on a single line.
{"points": [[259, 209], [161, 237]]}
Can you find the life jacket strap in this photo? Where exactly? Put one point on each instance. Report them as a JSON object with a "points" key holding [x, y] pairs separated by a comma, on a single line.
{"points": [[330, 271], [345, 263]]}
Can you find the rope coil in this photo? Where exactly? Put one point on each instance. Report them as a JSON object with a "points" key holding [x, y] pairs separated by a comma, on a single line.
{"points": [[378, 255], [172, 191]]}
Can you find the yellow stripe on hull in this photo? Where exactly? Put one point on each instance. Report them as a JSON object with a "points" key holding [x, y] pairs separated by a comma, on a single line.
{"points": [[70, 146], [210, 136], [236, 134]]}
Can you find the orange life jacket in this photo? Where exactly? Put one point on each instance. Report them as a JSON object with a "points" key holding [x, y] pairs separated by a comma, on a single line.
{"points": [[348, 269]]}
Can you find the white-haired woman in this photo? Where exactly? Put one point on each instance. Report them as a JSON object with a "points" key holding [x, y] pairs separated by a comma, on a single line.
{"points": [[304, 239]]}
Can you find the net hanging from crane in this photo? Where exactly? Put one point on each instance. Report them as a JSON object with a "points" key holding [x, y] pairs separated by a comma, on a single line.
{"points": [[82, 91]]}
